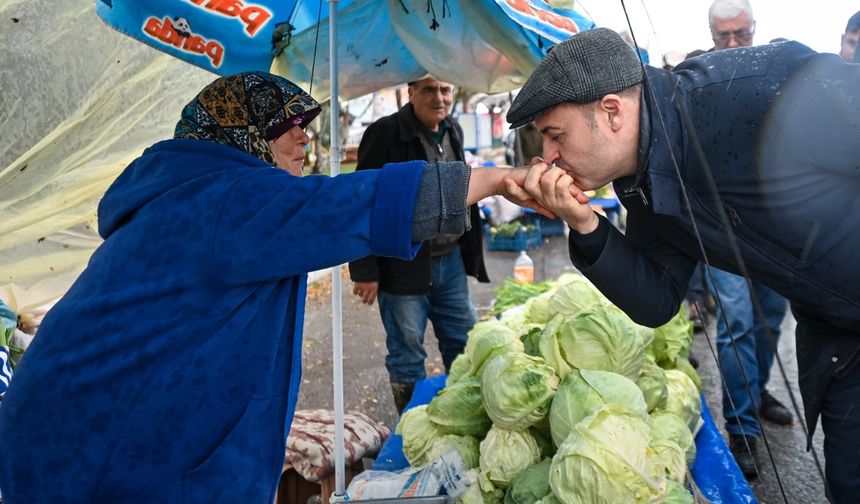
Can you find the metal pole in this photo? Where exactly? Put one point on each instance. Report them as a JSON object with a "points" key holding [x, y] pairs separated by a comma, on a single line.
{"points": [[336, 288]]}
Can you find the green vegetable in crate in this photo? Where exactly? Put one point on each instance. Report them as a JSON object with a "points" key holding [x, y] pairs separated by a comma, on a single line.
{"points": [[418, 434], [584, 392], [458, 409], [530, 486], [488, 339], [652, 383], [510, 229], [604, 460], [683, 398], [467, 447], [459, 369], [517, 390], [505, 454], [666, 425], [678, 494], [512, 293], [575, 296], [601, 338]]}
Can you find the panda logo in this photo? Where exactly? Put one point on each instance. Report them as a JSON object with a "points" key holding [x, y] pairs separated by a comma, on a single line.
{"points": [[180, 24]]}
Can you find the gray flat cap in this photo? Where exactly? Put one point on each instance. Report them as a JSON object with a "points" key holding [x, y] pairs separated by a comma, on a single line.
{"points": [[582, 69]]}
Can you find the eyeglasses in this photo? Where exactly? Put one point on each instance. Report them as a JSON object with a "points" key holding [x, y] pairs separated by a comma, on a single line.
{"points": [[432, 90], [742, 35]]}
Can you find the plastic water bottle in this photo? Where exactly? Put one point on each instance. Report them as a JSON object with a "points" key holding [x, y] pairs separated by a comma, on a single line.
{"points": [[524, 269]]}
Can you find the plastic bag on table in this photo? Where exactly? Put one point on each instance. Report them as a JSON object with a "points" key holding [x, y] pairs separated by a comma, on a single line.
{"points": [[447, 471]]}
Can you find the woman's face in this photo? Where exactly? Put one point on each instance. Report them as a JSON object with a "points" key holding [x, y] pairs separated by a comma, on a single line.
{"points": [[289, 150]]}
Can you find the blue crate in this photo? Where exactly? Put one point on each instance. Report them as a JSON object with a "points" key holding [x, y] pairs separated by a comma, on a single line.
{"points": [[551, 227], [522, 240]]}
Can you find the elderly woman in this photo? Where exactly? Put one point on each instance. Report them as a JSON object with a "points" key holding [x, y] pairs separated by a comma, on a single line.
{"points": [[170, 370]]}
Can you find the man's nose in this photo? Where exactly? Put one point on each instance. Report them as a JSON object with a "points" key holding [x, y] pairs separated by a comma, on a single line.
{"points": [[549, 154]]}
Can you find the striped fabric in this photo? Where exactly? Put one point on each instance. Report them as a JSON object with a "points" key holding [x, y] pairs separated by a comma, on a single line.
{"points": [[5, 370], [8, 323]]}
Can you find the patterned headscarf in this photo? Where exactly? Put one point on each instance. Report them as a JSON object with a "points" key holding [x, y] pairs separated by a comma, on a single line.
{"points": [[245, 111]]}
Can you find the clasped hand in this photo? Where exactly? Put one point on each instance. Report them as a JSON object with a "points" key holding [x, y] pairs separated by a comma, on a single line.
{"points": [[552, 192]]}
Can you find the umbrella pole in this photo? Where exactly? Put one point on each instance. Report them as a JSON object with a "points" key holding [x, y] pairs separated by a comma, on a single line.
{"points": [[336, 289]]}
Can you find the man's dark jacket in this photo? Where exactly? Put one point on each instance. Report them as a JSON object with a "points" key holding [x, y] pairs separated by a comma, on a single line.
{"points": [[778, 127], [393, 139]]}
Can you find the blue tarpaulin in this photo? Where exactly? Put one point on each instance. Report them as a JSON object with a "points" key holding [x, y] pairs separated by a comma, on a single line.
{"points": [[714, 471], [482, 45]]}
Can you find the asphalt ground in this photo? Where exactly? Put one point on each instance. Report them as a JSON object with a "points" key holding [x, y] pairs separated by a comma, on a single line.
{"points": [[366, 387]]}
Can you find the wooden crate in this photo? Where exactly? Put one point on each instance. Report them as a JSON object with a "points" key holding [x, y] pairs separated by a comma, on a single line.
{"points": [[293, 489]]}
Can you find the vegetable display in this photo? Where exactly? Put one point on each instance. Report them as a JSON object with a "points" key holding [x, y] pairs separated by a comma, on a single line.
{"points": [[568, 401]]}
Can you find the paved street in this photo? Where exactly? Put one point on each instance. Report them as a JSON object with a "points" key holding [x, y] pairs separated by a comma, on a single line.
{"points": [[366, 383]]}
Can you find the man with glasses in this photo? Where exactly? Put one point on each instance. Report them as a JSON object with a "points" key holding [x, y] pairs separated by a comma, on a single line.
{"points": [[433, 285], [746, 351], [732, 24]]}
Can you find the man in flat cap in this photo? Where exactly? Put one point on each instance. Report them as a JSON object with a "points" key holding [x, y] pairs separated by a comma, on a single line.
{"points": [[753, 140]]}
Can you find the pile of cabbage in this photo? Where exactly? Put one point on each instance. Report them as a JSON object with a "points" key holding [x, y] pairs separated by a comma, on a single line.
{"points": [[566, 400]]}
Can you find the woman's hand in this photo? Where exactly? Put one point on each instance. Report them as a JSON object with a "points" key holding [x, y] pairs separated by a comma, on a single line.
{"points": [[552, 189]]}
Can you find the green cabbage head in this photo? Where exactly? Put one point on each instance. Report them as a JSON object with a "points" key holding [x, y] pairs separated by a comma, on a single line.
{"points": [[549, 349], [459, 369], [458, 409], [530, 486], [517, 390], [668, 458], [605, 339], [537, 308], [652, 383], [683, 398], [488, 339], [505, 454], [466, 446], [584, 392], [575, 296], [673, 338], [604, 460], [480, 490], [676, 493], [668, 426], [418, 434]]}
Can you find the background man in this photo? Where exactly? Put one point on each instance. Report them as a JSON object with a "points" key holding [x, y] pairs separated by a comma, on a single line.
{"points": [[747, 361], [850, 37], [768, 126], [434, 285]]}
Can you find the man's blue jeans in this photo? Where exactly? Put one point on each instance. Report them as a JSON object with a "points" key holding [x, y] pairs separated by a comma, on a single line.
{"points": [[754, 351], [448, 306]]}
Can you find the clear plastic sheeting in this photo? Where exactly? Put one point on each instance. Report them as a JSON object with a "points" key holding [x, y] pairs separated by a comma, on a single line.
{"points": [[79, 102]]}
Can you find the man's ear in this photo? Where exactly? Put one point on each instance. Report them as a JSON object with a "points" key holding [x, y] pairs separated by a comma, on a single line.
{"points": [[612, 106]]}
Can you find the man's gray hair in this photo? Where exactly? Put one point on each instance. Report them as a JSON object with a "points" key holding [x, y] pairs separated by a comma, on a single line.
{"points": [[728, 9]]}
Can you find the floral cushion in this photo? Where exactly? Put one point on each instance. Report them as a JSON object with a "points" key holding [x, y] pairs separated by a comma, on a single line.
{"points": [[310, 445]]}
